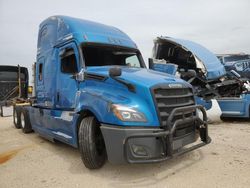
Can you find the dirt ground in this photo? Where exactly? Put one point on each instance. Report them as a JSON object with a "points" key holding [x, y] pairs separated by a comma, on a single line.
{"points": [[31, 161]]}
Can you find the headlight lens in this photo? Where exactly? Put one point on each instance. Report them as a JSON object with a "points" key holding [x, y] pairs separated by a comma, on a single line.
{"points": [[125, 113]]}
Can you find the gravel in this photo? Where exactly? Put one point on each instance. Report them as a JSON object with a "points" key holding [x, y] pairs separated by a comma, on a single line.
{"points": [[31, 161]]}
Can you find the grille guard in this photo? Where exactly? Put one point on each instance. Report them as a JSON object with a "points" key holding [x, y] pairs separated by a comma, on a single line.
{"points": [[167, 135]]}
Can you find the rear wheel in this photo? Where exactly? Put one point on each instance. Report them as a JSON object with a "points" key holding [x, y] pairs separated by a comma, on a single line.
{"points": [[25, 121], [91, 143], [16, 117], [1, 111]]}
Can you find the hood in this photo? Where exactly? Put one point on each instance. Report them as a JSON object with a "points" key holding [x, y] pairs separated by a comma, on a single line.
{"points": [[212, 64], [139, 76]]}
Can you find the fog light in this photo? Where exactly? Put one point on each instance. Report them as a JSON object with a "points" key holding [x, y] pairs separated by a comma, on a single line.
{"points": [[139, 150]]}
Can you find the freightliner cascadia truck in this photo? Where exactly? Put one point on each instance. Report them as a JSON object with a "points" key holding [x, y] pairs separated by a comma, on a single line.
{"points": [[94, 92]]}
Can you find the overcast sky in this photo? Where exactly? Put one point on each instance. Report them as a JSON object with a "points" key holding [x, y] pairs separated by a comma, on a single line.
{"points": [[223, 26]]}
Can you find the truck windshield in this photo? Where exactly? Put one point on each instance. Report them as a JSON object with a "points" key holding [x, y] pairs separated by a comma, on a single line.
{"points": [[106, 56]]}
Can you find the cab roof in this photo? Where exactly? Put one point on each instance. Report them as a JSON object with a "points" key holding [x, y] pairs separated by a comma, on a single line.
{"points": [[58, 29]]}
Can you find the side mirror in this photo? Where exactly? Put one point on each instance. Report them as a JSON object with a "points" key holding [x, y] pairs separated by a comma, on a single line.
{"points": [[150, 63], [79, 76], [115, 71]]}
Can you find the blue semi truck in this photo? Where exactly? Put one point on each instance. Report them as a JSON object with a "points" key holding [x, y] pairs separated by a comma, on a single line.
{"points": [[94, 92], [204, 71]]}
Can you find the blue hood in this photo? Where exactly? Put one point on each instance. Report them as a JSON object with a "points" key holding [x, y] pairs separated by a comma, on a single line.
{"points": [[139, 76], [212, 64]]}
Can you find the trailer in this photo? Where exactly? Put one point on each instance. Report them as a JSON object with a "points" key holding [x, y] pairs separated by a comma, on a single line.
{"points": [[14, 86]]}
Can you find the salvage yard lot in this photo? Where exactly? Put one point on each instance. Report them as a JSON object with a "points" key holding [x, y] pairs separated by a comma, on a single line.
{"points": [[31, 161]]}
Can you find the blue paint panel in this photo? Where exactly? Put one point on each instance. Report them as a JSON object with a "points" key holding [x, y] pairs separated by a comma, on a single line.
{"points": [[140, 76], [46, 84], [98, 96], [58, 28], [52, 124], [235, 107]]}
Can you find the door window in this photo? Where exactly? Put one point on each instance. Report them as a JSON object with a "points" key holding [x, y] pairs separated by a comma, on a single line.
{"points": [[68, 62], [132, 61]]}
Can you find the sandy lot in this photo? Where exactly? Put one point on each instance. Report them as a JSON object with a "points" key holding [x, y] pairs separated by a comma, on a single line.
{"points": [[31, 161]]}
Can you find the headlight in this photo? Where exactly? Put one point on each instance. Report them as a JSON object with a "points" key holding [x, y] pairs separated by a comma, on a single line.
{"points": [[125, 113]]}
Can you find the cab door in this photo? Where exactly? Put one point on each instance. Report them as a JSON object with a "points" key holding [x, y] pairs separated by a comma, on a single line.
{"points": [[67, 86]]}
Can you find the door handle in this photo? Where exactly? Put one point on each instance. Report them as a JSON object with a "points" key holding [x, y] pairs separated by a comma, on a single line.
{"points": [[57, 96]]}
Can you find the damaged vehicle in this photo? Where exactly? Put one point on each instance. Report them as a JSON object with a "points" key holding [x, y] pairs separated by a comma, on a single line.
{"points": [[204, 71], [237, 62]]}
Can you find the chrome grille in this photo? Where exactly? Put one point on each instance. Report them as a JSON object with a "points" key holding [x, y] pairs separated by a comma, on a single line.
{"points": [[166, 99]]}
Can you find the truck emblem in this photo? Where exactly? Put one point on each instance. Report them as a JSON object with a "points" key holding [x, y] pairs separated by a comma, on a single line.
{"points": [[175, 85]]}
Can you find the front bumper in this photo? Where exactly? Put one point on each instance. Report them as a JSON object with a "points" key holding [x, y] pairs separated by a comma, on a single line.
{"points": [[156, 144]]}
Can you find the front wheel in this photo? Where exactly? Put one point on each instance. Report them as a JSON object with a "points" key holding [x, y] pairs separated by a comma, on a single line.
{"points": [[91, 143]]}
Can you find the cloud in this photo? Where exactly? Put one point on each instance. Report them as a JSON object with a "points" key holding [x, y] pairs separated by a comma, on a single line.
{"points": [[221, 26]]}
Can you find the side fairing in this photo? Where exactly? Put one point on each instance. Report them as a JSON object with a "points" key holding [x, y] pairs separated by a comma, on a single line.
{"points": [[46, 68]]}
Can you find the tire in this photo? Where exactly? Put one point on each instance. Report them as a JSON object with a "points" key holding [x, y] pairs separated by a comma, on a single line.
{"points": [[91, 143], [25, 121], [225, 119], [1, 111], [249, 111], [16, 117]]}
